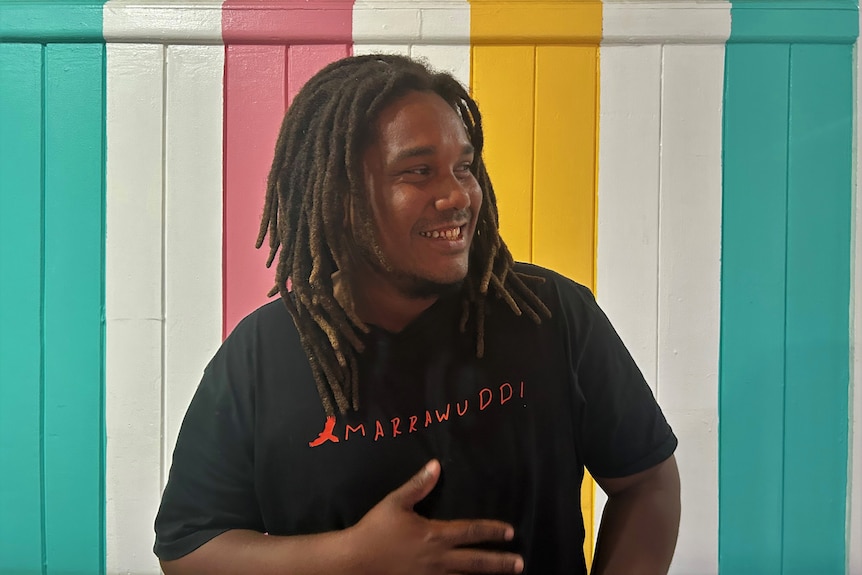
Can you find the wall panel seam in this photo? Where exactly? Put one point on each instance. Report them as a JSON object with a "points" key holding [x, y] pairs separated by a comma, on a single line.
{"points": [[42, 232]]}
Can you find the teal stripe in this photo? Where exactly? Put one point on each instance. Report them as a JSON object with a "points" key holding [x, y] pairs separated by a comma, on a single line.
{"points": [[43, 21], [21, 541], [52, 161], [805, 21], [785, 350], [74, 308], [818, 308], [751, 403]]}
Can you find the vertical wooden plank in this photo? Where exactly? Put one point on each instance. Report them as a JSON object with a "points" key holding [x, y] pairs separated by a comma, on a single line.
{"points": [[193, 226], [502, 84], [133, 302], [452, 22], [854, 503], [689, 267], [564, 201], [304, 61], [21, 535], [452, 59], [752, 361], [74, 307], [628, 197], [254, 107], [563, 226], [627, 214], [818, 290]]}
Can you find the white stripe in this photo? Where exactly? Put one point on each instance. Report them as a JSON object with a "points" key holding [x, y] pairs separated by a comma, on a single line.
{"points": [[452, 59], [193, 224], [163, 21], [627, 266], [437, 32], [133, 294], [689, 288], [398, 49], [665, 22]]}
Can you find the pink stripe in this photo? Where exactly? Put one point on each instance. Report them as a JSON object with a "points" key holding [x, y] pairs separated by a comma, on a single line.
{"points": [[259, 82], [254, 106], [305, 61], [287, 21]]}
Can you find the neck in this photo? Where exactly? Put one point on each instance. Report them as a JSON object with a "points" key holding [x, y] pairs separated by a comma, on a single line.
{"points": [[379, 302]]}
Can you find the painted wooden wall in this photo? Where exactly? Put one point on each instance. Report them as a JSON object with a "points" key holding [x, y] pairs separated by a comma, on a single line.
{"points": [[689, 161], [52, 270]]}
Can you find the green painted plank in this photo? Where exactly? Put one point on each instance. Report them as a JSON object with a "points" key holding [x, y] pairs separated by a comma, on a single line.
{"points": [[751, 379], [51, 21], [805, 21], [818, 308], [20, 308], [74, 308]]}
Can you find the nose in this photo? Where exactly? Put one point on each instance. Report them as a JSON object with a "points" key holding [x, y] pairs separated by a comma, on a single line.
{"points": [[453, 196]]}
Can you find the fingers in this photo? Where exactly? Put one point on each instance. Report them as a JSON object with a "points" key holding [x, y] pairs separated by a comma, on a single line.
{"points": [[473, 561], [417, 487], [469, 532]]}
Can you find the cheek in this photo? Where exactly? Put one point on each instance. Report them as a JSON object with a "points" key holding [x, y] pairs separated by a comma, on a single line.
{"points": [[476, 197]]}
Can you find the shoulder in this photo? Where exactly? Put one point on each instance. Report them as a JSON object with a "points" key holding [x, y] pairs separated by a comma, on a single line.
{"points": [[555, 289], [271, 320], [267, 331]]}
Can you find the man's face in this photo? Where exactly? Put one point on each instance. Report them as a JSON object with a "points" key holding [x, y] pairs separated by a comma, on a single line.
{"points": [[423, 197]]}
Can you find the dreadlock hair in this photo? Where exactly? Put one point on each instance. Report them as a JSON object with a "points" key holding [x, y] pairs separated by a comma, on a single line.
{"points": [[317, 176]]}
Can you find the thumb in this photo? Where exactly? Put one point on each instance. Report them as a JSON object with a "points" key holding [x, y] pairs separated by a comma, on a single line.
{"points": [[417, 487]]}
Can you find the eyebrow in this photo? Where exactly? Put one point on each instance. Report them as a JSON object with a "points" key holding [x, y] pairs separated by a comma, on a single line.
{"points": [[420, 151]]}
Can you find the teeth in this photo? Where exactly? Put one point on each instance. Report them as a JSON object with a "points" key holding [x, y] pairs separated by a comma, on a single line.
{"points": [[450, 234]]}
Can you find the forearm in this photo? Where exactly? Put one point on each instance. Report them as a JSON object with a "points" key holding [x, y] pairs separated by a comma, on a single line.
{"points": [[240, 552], [638, 531]]}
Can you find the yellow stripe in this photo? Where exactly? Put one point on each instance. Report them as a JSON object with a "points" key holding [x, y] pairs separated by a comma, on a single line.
{"points": [[535, 22], [535, 74]]}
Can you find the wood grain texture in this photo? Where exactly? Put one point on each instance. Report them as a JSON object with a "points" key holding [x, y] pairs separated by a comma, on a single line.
{"points": [[193, 226], [133, 302], [73, 307], [21, 287]]}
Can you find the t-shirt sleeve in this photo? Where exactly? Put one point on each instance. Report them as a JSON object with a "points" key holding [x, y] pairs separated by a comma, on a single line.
{"points": [[210, 489], [622, 429]]}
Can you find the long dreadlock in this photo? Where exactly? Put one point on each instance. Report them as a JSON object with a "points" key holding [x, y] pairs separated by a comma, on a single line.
{"points": [[317, 173]]}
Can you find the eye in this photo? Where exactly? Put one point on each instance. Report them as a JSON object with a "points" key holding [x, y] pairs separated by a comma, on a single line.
{"points": [[463, 170], [418, 171]]}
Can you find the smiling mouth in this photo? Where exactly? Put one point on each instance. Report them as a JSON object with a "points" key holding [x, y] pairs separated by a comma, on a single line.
{"points": [[444, 234]]}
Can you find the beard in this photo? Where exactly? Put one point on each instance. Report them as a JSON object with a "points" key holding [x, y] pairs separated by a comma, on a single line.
{"points": [[409, 284], [416, 287]]}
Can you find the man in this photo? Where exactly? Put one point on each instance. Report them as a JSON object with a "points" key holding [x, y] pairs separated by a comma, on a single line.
{"points": [[416, 402]]}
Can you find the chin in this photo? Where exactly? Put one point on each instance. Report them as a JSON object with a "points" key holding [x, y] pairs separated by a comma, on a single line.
{"points": [[428, 286]]}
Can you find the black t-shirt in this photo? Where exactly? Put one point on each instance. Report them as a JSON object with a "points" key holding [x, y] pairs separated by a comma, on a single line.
{"points": [[512, 431]]}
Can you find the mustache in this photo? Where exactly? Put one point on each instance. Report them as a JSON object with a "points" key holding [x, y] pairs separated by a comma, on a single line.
{"points": [[453, 219]]}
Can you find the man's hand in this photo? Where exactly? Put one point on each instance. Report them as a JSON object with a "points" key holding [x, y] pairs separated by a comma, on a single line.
{"points": [[392, 538]]}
